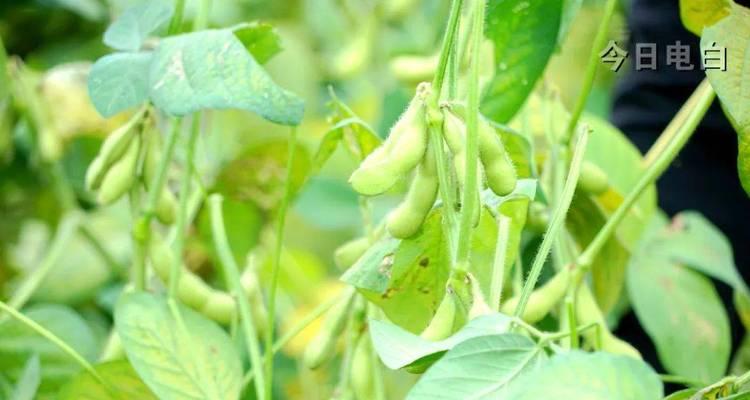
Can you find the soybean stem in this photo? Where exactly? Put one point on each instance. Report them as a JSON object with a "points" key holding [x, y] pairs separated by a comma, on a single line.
{"points": [[183, 211], [558, 218], [498, 266], [704, 95], [449, 39], [232, 276], [470, 197], [280, 221], [176, 21], [42, 331], [591, 67]]}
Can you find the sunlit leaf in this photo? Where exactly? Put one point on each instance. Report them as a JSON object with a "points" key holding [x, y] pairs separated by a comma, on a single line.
{"points": [[698, 14], [211, 69], [187, 358], [399, 348], [732, 36], [480, 368], [119, 81], [28, 384], [121, 380], [589, 376], [136, 23], [260, 39]]}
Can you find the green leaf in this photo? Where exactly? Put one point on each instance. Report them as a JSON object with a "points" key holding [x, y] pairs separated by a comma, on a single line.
{"points": [[4, 78], [212, 69], [122, 384], [370, 272], [260, 39], [399, 348], [89, 9], [569, 14], [524, 34], [19, 343], [28, 384], [119, 81], [684, 394], [358, 137], [733, 85], [189, 357], [680, 309], [480, 368], [136, 23], [699, 14], [692, 240], [589, 376]]}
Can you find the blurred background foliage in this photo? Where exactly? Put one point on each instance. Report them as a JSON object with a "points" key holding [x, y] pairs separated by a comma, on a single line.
{"points": [[347, 45]]}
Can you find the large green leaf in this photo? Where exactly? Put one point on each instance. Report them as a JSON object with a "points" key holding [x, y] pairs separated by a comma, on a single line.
{"points": [[188, 357], [698, 14], [680, 309], [479, 368], [587, 376], [733, 85], [407, 278], [119, 81], [131, 28], [524, 33], [121, 380], [20, 342], [212, 69], [399, 348]]}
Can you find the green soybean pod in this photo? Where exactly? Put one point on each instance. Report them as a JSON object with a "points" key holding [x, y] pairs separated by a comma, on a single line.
{"points": [[348, 253], [361, 372], [166, 207], [588, 312], [322, 347], [151, 158], [120, 176], [454, 133], [593, 180], [442, 323], [542, 300], [500, 172], [538, 217], [399, 153], [408, 217]]}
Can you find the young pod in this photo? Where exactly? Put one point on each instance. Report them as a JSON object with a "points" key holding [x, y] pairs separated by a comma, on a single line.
{"points": [[399, 153], [361, 372], [113, 148], [166, 207], [348, 253], [407, 218], [121, 175], [593, 180], [151, 158], [322, 347], [542, 300], [588, 312], [538, 217], [498, 168], [454, 133], [442, 323]]}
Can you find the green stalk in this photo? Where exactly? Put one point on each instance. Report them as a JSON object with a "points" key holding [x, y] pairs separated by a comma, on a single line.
{"points": [[498, 266], [277, 261], [182, 213], [705, 96], [558, 219], [201, 19], [593, 64], [449, 39], [176, 22], [63, 235], [471, 187], [232, 276], [42, 331]]}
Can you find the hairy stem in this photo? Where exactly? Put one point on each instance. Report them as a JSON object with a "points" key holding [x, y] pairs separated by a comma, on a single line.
{"points": [[558, 218], [232, 276], [591, 67], [280, 221], [449, 40], [471, 187], [705, 96], [183, 211]]}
